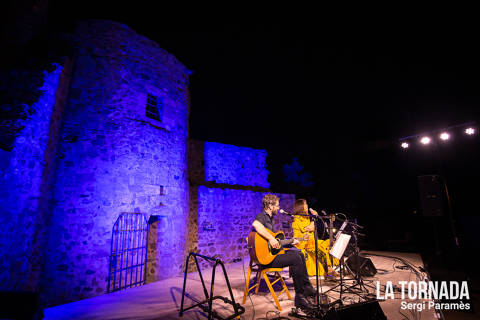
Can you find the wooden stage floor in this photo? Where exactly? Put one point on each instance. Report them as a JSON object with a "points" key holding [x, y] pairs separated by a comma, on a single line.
{"points": [[161, 299]]}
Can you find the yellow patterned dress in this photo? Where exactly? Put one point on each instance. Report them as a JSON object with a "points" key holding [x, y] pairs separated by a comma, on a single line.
{"points": [[308, 247]]}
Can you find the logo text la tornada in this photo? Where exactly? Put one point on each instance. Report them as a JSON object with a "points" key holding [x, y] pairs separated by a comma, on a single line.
{"points": [[448, 290]]}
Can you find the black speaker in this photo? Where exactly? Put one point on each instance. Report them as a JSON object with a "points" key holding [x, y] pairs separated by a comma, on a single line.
{"points": [[431, 195], [362, 265], [368, 310]]}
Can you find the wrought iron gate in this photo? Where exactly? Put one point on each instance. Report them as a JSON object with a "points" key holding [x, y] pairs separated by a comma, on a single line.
{"points": [[129, 252]]}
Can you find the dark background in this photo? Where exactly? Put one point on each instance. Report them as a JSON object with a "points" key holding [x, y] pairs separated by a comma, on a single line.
{"points": [[337, 97]]}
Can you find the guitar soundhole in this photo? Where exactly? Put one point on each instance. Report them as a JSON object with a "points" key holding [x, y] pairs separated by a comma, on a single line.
{"points": [[274, 251]]}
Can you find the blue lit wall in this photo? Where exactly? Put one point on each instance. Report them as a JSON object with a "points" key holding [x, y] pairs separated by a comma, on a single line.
{"points": [[228, 184], [225, 219], [229, 164], [113, 159], [80, 162], [23, 184]]}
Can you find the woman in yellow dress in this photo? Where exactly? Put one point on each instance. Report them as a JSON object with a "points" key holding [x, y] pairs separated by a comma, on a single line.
{"points": [[302, 226]]}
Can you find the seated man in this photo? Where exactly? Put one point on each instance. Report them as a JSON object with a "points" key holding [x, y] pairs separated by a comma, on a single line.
{"points": [[291, 258], [303, 226]]}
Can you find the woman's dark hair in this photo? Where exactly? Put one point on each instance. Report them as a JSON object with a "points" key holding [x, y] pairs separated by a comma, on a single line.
{"points": [[299, 206]]}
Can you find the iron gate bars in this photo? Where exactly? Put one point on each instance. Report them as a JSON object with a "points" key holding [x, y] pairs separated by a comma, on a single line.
{"points": [[128, 252]]}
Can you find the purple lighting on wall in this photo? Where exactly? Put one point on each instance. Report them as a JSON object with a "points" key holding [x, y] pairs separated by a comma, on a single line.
{"points": [[111, 158], [23, 187], [229, 164], [119, 146]]}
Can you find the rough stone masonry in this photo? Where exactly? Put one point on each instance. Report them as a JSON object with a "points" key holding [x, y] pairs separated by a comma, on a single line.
{"points": [[89, 152]]}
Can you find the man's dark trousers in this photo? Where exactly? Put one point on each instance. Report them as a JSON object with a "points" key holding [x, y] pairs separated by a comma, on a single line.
{"points": [[294, 259]]}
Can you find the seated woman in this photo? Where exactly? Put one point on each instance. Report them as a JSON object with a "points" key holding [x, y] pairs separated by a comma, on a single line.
{"points": [[302, 226]]}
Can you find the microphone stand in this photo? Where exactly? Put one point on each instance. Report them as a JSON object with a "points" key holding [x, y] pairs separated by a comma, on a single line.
{"points": [[318, 313]]}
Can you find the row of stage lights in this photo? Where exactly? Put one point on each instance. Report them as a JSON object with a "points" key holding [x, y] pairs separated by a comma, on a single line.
{"points": [[426, 139]]}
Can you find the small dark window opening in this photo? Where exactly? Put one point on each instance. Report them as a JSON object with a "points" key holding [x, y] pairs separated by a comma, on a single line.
{"points": [[154, 107]]}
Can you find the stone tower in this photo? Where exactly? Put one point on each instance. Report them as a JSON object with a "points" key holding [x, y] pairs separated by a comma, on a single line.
{"points": [[102, 131], [122, 149]]}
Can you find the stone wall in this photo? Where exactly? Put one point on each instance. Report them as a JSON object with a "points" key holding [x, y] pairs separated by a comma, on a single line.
{"points": [[114, 159], [218, 164], [26, 174], [84, 151], [225, 219], [232, 165], [223, 208]]}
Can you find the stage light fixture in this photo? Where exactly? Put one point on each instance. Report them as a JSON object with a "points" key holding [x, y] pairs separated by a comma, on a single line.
{"points": [[469, 131], [425, 140], [444, 136], [404, 145]]}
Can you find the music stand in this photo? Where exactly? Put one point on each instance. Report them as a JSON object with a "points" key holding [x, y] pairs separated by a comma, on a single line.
{"points": [[357, 277], [340, 253], [337, 251]]}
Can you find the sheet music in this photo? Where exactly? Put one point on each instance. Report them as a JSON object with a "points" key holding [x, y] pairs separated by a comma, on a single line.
{"points": [[340, 245], [341, 230]]}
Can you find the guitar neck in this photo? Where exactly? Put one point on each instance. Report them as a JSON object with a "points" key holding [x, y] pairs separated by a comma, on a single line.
{"points": [[286, 242], [330, 230]]}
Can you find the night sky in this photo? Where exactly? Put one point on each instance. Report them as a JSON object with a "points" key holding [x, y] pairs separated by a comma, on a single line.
{"points": [[337, 98]]}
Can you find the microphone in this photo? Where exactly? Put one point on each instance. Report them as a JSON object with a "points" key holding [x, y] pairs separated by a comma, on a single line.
{"points": [[285, 212], [312, 211]]}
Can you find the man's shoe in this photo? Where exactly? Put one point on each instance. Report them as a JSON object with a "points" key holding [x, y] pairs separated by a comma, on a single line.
{"points": [[302, 303], [311, 294], [309, 291]]}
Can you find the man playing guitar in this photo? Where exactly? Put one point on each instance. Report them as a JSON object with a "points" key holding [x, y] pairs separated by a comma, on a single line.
{"points": [[291, 258]]}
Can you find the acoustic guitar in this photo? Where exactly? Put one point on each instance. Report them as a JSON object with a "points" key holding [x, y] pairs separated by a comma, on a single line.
{"points": [[260, 249]]}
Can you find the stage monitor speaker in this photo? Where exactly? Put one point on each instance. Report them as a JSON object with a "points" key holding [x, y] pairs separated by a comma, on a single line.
{"points": [[358, 263], [368, 310], [431, 195]]}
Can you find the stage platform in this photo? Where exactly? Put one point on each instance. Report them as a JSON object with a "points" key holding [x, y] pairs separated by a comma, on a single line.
{"points": [[161, 299]]}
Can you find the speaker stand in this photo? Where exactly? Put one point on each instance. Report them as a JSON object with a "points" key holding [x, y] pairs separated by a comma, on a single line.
{"points": [[343, 288], [357, 276]]}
